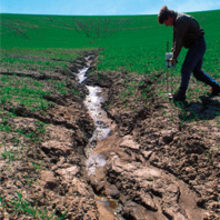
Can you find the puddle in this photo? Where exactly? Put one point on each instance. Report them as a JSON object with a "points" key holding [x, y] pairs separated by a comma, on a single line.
{"points": [[112, 204]]}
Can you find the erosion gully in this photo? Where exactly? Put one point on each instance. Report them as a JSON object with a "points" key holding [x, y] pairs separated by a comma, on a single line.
{"points": [[103, 129], [169, 197], [93, 102]]}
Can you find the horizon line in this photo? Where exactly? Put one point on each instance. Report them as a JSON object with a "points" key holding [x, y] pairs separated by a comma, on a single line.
{"points": [[141, 14]]}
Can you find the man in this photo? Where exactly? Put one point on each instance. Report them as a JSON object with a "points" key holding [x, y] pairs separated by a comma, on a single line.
{"points": [[187, 33]]}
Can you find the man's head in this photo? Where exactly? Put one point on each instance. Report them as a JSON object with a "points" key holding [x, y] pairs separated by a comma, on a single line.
{"points": [[166, 16]]}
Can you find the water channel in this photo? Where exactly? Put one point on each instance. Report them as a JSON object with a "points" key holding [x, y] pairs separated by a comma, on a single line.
{"points": [[103, 129], [93, 102]]}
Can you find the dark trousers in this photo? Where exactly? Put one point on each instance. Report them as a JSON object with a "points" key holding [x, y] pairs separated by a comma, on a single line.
{"points": [[193, 63]]}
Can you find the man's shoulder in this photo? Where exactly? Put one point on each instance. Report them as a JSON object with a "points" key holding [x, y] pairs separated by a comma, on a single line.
{"points": [[182, 17], [182, 20]]}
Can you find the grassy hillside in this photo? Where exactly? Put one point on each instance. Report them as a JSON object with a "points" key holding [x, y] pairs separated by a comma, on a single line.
{"points": [[132, 43], [44, 125]]}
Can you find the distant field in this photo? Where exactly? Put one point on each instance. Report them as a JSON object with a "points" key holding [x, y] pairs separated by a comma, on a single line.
{"points": [[44, 126], [132, 43]]}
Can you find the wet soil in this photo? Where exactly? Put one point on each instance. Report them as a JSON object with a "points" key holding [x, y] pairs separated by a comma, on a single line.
{"points": [[160, 162]]}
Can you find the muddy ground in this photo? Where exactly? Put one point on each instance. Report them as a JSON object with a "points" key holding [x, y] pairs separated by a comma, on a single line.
{"points": [[162, 160]]}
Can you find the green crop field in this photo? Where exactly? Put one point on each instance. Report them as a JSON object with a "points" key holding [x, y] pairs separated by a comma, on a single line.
{"points": [[45, 44], [37, 81], [132, 43]]}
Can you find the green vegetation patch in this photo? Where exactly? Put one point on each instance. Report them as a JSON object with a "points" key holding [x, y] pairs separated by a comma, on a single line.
{"points": [[16, 92], [39, 60], [21, 69], [19, 205], [131, 43]]}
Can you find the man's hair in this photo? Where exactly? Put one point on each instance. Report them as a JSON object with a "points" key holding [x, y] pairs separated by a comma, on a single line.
{"points": [[164, 14]]}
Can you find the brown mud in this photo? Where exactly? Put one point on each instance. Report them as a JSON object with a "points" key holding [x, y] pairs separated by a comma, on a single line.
{"points": [[159, 162]]}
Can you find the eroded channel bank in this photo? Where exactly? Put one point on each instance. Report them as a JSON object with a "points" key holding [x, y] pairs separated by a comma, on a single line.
{"points": [[123, 170], [153, 166]]}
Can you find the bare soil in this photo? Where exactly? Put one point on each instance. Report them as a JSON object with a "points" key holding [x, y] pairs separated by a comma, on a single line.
{"points": [[162, 162]]}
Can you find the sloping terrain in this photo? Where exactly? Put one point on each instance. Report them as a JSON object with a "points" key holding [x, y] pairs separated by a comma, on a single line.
{"points": [[158, 160], [162, 159], [41, 148], [164, 156]]}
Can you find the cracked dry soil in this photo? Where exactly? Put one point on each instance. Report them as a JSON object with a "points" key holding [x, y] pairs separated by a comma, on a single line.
{"points": [[156, 166]]}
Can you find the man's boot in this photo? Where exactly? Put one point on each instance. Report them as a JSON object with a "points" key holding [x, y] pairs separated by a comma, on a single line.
{"points": [[180, 95], [215, 90]]}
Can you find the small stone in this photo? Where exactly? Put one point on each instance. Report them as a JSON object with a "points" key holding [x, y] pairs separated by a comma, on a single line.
{"points": [[167, 136], [146, 173], [128, 142], [134, 211], [68, 173], [173, 213], [112, 191], [147, 201], [147, 154], [48, 180]]}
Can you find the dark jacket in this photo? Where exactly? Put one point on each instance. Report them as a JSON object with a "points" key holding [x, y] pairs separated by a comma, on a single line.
{"points": [[185, 31]]}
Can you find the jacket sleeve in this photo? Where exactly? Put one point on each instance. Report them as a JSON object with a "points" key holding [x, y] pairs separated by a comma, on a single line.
{"points": [[180, 30]]}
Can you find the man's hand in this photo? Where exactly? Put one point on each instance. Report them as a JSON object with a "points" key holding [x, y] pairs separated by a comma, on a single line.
{"points": [[172, 60]]}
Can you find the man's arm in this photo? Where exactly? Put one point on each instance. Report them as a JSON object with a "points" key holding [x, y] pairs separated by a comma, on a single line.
{"points": [[179, 33]]}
